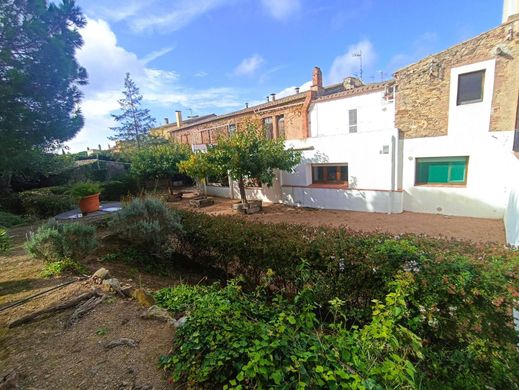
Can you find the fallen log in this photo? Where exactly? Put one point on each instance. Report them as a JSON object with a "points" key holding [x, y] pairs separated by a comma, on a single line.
{"points": [[82, 309], [53, 309]]}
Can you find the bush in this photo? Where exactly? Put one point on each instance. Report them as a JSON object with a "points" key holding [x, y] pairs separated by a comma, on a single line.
{"points": [[83, 189], [60, 267], [116, 189], [251, 340], [146, 224], [10, 202], [45, 203], [8, 219], [461, 307], [54, 242], [5, 241]]}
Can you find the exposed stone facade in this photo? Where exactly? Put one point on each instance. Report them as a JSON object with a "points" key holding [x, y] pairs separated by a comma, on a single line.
{"points": [[422, 102]]}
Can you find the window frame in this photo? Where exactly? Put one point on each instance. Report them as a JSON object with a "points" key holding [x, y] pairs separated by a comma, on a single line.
{"points": [[480, 99], [334, 182], [233, 127], [353, 128], [280, 119], [268, 129], [419, 160]]}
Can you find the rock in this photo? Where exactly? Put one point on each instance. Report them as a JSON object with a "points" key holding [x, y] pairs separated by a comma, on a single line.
{"points": [[111, 284], [180, 322], [144, 298], [127, 291], [158, 313], [9, 381], [120, 342], [100, 275]]}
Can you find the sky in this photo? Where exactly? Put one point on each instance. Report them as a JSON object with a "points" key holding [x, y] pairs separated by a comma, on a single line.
{"points": [[213, 56]]}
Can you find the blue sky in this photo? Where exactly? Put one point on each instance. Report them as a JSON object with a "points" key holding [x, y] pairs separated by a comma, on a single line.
{"points": [[212, 56]]}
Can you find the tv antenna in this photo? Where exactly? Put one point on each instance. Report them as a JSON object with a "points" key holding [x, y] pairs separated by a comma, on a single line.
{"points": [[359, 54]]}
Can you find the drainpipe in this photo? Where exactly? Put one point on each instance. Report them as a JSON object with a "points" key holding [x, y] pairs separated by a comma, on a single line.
{"points": [[393, 174], [306, 107]]}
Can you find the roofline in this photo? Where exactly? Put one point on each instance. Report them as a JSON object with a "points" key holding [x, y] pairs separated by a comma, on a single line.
{"points": [[453, 46], [362, 90]]}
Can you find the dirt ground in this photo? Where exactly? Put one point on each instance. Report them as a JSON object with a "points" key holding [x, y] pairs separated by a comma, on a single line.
{"points": [[462, 228], [44, 355]]}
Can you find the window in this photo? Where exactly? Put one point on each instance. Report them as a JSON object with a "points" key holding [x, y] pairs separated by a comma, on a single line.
{"points": [[352, 120], [231, 129], [442, 170], [332, 174], [281, 126], [184, 139], [206, 136], [268, 127], [470, 87]]}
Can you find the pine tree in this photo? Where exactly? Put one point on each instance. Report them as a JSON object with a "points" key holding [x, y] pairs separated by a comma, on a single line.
{"points": [[135, 122]]}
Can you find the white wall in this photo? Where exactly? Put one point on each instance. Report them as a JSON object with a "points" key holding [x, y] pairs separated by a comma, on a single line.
{"points": [[474, 118], [488, 177], [511, 218], [330, 117]]}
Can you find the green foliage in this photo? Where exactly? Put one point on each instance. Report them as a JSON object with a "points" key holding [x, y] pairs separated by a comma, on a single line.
{"points": [[39, 93], [54, 242], [9, 219], [5, 241], [146, 224], [120, 187], [80, 190], [245, 154], [252, 340], [461, 307], [60, 267], [158, 161], [46, 202], [134, 121]]}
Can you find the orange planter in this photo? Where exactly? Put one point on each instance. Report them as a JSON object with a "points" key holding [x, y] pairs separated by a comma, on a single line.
{"points": [[89, 204]]}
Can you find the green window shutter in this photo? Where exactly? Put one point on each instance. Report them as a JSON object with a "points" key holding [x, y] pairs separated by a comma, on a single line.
{"points": [[441, 170]]}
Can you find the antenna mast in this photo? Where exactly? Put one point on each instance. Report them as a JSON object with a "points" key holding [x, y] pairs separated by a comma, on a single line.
{"points": [[359, 54]]}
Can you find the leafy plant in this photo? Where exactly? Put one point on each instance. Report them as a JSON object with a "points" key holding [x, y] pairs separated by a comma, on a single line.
{"points": [[102, 331], [44, 203], [8, 219], [81, 190], [54, 242], [146, 224], [5, 241], [60, 267]]}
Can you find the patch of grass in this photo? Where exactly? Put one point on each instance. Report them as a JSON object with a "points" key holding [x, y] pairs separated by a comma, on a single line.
{"points": [[5, 241], [58, 268], [9, 219], [102, 331]]}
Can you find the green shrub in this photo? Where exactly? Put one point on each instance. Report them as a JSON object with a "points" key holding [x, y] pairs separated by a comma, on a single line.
{"points": [[249, 340], [145, 224], [43, 203], [5, 241], [60, 267], [461, 307], [10, 202], [8, 219], [83, 189], [53, 242], [116, 189]]}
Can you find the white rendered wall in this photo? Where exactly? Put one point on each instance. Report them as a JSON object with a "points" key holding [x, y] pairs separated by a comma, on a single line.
{"points": [[474, 118], [488, 176], [512, 208], [330, 117]]}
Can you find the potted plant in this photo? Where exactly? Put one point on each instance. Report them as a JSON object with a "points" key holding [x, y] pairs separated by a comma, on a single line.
{"points": [[88, 195]]}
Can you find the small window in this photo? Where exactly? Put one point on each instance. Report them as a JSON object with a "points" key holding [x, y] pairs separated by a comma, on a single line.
{"points": [[184, 139], [206, 136], [281, 126], [268, 127], [442, 170], [470, 87], [352, 120], [231, 129], [332, 174]]}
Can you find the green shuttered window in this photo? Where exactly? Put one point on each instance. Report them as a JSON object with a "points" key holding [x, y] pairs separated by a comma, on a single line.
{"points": [[442, 170]]}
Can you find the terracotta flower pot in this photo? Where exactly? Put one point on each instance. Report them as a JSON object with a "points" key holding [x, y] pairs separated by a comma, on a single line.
{"points": [[89, 204]]}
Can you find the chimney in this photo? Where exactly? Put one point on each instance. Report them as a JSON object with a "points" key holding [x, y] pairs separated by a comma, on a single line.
{"points": [[246, 105], [99, 146], [179, 118], [268, 99], [510, 10], [166, 121], [317, 80], [297, 89], [273, 96]]}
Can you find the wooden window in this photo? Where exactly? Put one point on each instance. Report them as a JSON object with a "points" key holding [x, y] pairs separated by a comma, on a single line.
{"points": [[184, 139], [352, 120], [330, 174], [441, 170], [470, 87], [231, 129], [206, 136], [281, 126], [268, 127]]}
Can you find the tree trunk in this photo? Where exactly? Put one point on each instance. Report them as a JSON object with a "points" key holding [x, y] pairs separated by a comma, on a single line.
{"points": [[243, 195]]}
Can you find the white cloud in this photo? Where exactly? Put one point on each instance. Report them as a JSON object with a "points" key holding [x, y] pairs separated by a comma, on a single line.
{"points": [[347, 64], [424, 45], [282, 9], [107, 63], [249, 65], [201, 74], [291, 90], [157, 54]]}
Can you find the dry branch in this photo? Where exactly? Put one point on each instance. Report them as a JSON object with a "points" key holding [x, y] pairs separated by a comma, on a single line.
{"points": [[120, 342], [53, 309], [83, 309]]}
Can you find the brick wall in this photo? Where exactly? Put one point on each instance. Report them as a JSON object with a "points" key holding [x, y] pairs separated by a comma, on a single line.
{"points": [[422, 103]]}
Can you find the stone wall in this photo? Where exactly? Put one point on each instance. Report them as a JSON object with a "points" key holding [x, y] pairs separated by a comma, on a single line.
{"points": [[422, 103]]}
